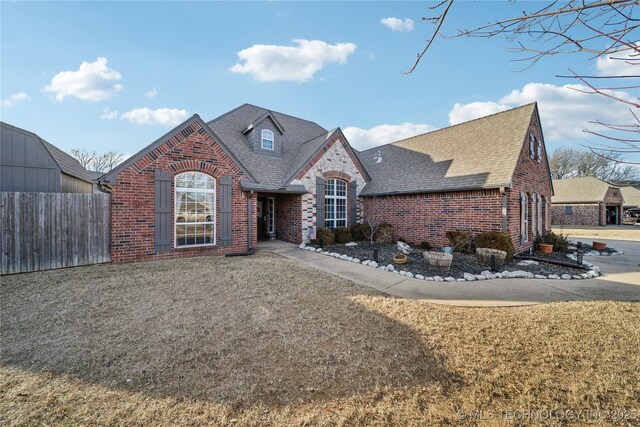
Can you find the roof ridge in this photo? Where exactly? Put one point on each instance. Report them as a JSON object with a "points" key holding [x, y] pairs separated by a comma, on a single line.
{"points": [[451, 126], [228, 112], [284, 114]]}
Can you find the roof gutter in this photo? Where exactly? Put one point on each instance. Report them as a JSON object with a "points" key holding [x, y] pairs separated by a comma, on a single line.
{"points": [[501, 187]]}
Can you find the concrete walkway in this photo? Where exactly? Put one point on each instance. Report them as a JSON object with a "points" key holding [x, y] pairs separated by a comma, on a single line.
{"points": [[620, 282]]}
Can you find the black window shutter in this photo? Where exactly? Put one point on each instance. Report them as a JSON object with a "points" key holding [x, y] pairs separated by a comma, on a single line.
{"points": [[225, 211], [162, 211], [353, 202], [320, 202]]}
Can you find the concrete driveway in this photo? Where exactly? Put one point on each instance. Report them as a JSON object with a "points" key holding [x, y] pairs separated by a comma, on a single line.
{"points": [[620, 280]]}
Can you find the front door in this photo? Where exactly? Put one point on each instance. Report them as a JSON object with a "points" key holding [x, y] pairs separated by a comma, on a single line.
{"points": [[262, 218]]}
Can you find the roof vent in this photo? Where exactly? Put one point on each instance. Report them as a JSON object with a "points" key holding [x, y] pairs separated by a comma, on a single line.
{"points": [[378, 157]]}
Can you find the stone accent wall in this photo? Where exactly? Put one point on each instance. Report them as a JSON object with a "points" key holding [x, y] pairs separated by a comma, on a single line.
{"points": [[132, 198], [335, 161], [587, 214]]}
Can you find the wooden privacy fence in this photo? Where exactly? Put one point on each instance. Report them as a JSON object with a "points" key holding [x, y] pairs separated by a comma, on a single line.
{"points": [[40, 231]]}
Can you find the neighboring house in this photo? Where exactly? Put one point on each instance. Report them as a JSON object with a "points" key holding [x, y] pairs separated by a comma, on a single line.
{"points": [[631, 196], [488, 174], [218, 187], [29, 163], [586, 201]]}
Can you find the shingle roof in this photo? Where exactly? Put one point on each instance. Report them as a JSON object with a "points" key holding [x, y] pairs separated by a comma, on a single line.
{"points": [[631, 196], [481, 153], [67, 163], [300, 139], [579, 190]]}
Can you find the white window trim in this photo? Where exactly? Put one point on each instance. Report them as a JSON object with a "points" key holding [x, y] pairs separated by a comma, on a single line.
{"points": [[271, 211], [265, 137], [525, 204], [335, 199], [532, 145], [177, 189], [534, 214], [539, 150], [539, 215]]}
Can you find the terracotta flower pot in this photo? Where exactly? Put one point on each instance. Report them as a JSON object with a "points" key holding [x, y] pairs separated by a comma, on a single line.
{"points": [[545, 248], [599, 246], [400, 259]]}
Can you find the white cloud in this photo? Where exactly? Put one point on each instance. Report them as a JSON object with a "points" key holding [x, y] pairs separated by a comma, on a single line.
{"points": [[397, 24], [151, 93], [93, 81], [161, 116], [624, 63], [271, 63], [363, 139], [13, 99], [109, 114], [465, 112], [564, 111]]}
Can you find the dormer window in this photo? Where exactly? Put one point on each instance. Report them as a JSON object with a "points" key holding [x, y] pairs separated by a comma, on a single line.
{"points": [[267, 140]]}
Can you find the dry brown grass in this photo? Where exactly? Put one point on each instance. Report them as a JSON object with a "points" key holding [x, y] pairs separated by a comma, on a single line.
{"points": [[264, 341]]}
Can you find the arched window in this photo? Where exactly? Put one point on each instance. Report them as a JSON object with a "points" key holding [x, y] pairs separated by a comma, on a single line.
{"points": [[335, 203], [195, 209], [267, 139]]}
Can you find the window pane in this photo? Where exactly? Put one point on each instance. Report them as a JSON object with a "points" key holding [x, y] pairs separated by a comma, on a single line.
{"points": [[194, 209]]}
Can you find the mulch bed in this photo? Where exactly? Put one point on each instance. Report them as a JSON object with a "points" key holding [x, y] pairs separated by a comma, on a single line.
{"points": [[462, 263]]}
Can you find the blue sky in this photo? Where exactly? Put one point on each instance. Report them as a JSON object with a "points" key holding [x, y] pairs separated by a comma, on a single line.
{"points": [[117, 75]]}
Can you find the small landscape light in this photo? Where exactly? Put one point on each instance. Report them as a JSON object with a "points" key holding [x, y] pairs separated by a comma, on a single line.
{"points": [[493, 262], [375, 254]]}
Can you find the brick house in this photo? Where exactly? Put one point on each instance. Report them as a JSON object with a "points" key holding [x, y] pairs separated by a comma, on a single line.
{"points": [[219, 187], [586, 201], [488, 174]]}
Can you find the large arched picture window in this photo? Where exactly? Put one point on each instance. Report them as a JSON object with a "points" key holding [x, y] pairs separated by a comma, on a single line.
{"points": [[195, 209], [335, 203]]}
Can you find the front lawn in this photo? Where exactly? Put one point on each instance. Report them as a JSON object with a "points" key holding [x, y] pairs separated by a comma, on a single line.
{"points": [[262, 340]]}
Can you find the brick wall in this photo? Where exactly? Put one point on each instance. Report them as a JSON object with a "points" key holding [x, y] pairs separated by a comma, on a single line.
{"points": [[585, 214], [132, 198], [427, 217], [288, 221], [335, 161], [531, 177]]}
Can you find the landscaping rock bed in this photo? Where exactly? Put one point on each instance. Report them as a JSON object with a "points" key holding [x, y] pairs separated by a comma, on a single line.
{"points": [[463, 268]]}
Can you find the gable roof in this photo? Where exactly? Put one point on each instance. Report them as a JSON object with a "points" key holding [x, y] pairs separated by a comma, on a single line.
{"points": [[67, 163], [631, 196], [109, 177], [586, 189], [263, 117], [299, 142], [478, 154]]}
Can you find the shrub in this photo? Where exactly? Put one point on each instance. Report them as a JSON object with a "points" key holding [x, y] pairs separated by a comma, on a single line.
{"points": [[384, 233], [461, 241], [560, 242], [496, 240], [325, 235], [343, 235], [360, 232], [425, 245]]}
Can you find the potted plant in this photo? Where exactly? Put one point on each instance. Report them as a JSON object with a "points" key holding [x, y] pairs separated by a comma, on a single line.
{"points": [[545, 248], [599, 246]]}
